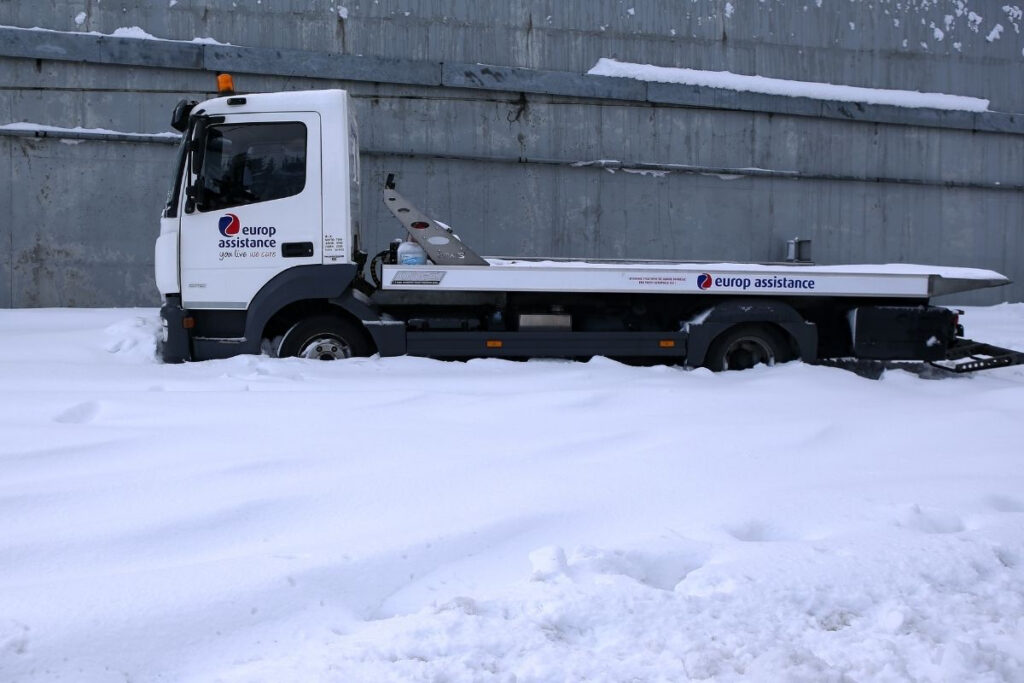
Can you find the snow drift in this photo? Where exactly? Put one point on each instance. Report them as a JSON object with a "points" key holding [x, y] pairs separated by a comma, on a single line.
{"points": [[403, 519]]}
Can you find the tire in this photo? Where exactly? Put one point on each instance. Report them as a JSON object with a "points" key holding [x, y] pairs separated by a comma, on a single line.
{"points": [[325, 337], [744, 346]]}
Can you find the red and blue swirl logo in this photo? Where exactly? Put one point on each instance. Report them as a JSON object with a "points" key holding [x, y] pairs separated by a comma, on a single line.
{"points": [[229, 225], [704, 281]]}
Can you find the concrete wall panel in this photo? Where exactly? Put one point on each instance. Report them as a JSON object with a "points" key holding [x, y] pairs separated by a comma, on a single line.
{"points": [[540, 128], [6, 224], [82, 224]]}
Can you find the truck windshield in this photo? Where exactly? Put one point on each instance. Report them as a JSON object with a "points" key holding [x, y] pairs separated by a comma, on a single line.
{"points": [[252, 162]]}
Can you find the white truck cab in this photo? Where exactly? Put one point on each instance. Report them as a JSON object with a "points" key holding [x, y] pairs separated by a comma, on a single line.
{"points": [[264, 193], [259, 252], [263, 173]]}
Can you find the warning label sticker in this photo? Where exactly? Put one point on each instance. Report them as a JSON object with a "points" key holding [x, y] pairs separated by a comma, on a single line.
{"points": [[657, 280]]}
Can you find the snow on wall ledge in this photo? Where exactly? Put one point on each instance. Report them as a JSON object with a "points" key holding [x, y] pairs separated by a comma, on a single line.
{"points": [[28, 127], [779, 86], [134, 32]]}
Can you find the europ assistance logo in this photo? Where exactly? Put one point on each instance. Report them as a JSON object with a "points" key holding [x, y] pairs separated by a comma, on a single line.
{"points": [[703, 280], [229, 225], [234, 235]]}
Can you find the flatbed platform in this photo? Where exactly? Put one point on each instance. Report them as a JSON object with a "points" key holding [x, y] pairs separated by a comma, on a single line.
{"points": [[705, 278]]}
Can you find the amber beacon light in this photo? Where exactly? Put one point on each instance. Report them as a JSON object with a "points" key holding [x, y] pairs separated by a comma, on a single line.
{"points": [[225, 85]]}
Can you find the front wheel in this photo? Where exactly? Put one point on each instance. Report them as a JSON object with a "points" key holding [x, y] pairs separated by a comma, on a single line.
{"points": [[324, 337], [744, 346]]}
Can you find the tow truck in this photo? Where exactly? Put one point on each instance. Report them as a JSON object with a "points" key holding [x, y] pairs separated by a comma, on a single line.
{"points": [[259, 252]]}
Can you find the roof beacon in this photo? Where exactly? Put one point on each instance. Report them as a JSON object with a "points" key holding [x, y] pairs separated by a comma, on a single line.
{"points": [[225, 85]]}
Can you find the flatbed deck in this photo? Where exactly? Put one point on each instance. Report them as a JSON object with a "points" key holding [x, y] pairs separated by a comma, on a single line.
{"points": [[705, 278]]}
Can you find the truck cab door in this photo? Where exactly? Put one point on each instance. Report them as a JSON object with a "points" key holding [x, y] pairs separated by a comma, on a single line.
{"points": [[253, 206]]}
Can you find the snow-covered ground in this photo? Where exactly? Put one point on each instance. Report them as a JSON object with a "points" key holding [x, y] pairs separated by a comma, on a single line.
{"points": [[405, 519]]}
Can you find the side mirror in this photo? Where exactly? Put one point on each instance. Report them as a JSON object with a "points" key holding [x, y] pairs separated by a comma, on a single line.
{"points": [[196, 149], [179, 117], [197, 146]]}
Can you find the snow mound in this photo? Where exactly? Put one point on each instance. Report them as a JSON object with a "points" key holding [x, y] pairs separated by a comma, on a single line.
{"points": [[406, 519]]}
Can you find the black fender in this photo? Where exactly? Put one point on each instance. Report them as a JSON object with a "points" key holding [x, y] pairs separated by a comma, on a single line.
{"points": [[332, 283], [736, 311], [295, 284]]}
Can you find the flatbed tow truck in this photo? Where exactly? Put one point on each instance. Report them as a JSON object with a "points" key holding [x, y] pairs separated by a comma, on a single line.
{"points": [[259, 252]]}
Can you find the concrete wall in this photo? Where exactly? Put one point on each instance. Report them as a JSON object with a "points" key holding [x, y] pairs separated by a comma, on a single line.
{"points": [[494, 159], [906, 44]]}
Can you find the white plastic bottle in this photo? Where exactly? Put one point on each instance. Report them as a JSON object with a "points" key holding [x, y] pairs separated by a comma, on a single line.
{"points": [[411, 254]]}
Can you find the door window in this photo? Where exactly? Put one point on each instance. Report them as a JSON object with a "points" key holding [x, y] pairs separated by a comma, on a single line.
{"points": [[247, 163]]}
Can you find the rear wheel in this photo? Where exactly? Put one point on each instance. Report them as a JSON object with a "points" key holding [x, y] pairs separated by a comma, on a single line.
{"points": [[324, 337], [744, 346]]}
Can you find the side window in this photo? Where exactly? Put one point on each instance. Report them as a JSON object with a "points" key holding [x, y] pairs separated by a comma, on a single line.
{"points": [[252, 162]]}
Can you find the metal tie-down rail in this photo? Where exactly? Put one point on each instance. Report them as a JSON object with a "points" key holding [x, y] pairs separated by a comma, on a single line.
{"points": [[981, 357]]}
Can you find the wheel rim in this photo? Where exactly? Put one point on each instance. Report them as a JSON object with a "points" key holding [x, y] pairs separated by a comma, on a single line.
{"points": [[746, 352], [325, 348]]}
